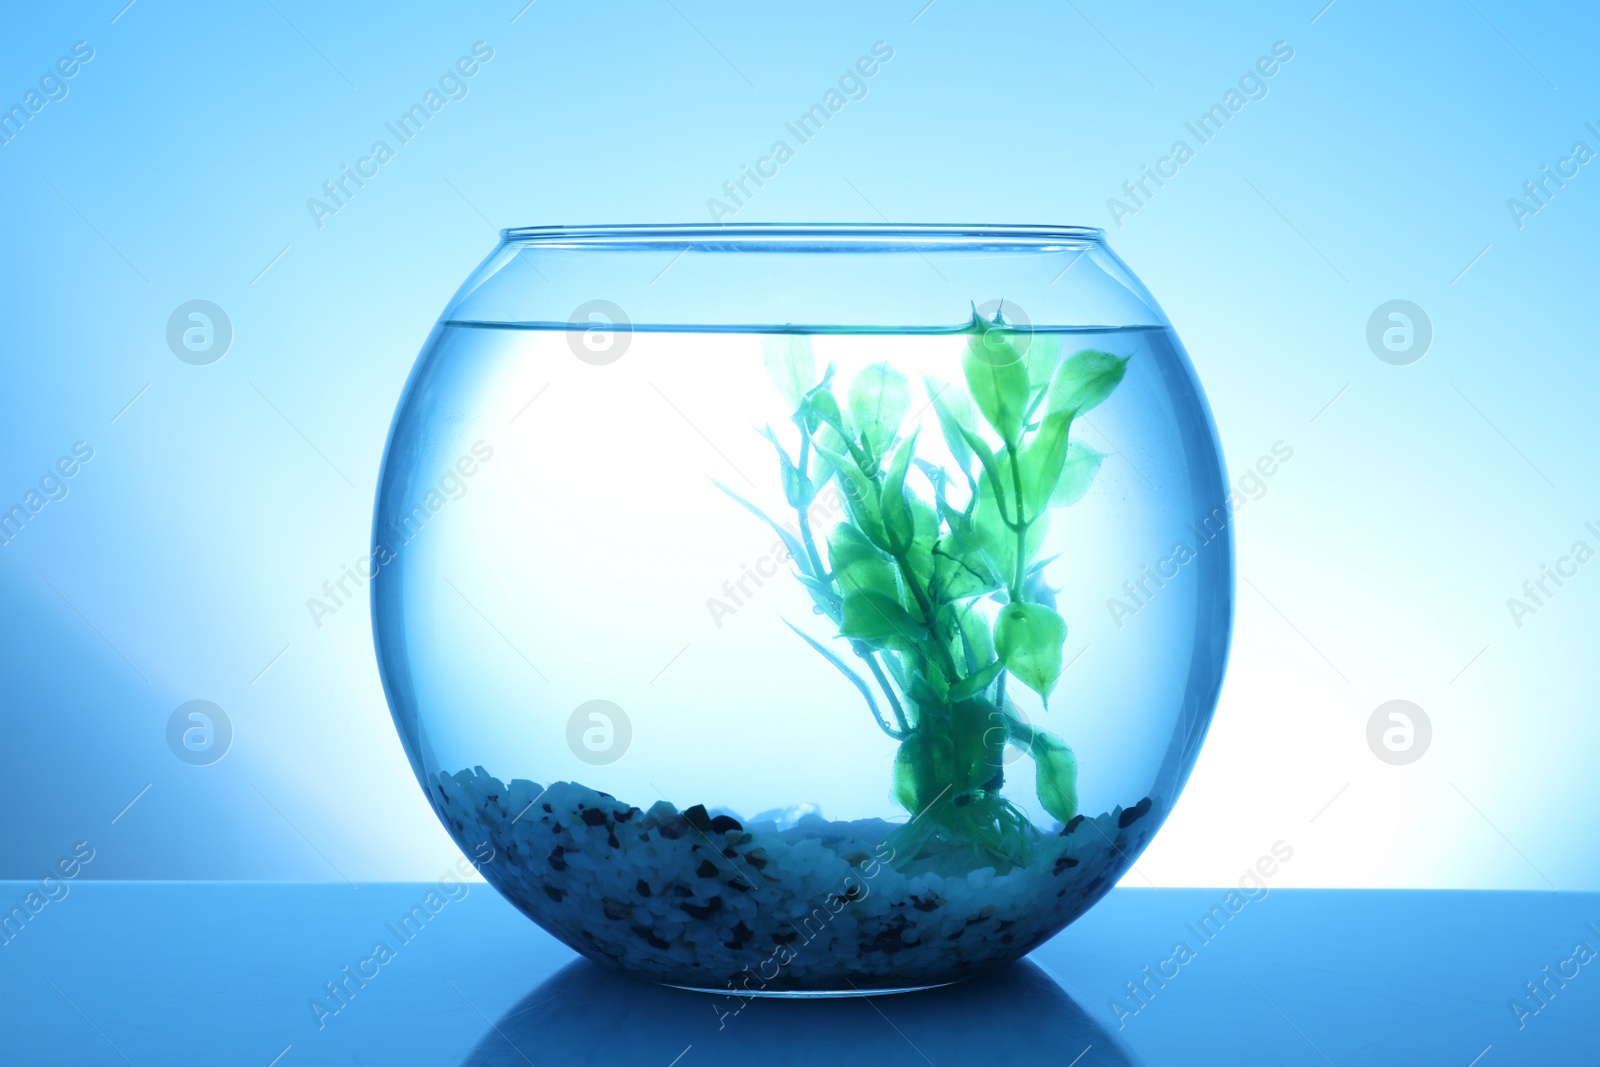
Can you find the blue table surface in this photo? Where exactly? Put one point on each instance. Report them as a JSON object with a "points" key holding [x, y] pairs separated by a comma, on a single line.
{"points": [[216, 973]]}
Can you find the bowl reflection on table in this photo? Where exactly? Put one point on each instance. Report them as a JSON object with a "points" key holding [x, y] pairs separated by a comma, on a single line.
{"points": [[587, 1014]]}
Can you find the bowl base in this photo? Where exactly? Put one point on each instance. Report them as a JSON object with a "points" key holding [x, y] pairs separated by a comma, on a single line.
{"points": [[807, 994]]}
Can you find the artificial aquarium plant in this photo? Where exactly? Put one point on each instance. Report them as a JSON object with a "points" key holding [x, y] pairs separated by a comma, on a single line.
{"points": [[941, 595]]}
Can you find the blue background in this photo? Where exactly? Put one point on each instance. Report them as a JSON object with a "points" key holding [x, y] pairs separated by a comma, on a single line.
{"points": [[1375, 565]]}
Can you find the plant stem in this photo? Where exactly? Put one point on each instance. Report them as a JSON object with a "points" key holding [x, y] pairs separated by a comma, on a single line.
{"points": [[888, 691], [897, 735], [1022, 525], [869, 656], [947, 663], [805, 512]]}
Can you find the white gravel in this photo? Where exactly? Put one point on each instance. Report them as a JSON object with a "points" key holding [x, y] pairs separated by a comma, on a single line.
{"points": [[699, 899]]}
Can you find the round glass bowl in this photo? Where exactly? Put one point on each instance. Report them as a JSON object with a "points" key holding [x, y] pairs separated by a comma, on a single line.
{"points": [[809, 610]]}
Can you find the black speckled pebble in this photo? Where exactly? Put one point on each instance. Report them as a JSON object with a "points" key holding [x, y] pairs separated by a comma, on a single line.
{"points": [[1130, 815], [649, 935], [702, 911]]}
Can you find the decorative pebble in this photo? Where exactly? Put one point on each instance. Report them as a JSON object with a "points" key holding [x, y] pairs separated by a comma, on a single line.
{"points": [[707, 900], [1138, 811]]}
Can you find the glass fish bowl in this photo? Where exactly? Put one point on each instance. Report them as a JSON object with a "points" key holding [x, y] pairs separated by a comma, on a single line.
{"points": [[805, 610]]}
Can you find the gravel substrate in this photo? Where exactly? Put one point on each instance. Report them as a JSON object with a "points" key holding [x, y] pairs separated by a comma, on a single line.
{"points": [[704, 900]]}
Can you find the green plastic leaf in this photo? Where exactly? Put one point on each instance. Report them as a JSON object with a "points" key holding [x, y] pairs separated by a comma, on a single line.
{"points": [[976, 682], [880, 396], [975, 629], [1044, 352], [860, 495], [797, 489], [822, 595], [858, 564], [789, 540], [959, 570], [1028, 638], [825, 407], [895, 669], [1058, 776], [790, 365], [948, 513], [1042, 461], [997, 376], [1036, 590], [1082, 464], [1084, 379], [989, 536], [873, 616], [928, 691], [1038, 565], [943, 510], [855, 679], [956, 418], [979, 737], [819, 470], [923, 770], [893, 502], [925, 533], [987, 461], [991, 532]]}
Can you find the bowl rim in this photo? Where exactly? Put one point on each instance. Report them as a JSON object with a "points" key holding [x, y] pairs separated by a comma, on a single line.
{"points": [[821, 235]]}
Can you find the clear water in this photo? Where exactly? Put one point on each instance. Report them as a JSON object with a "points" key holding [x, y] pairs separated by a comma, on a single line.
{"points": [[555, 535]]}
